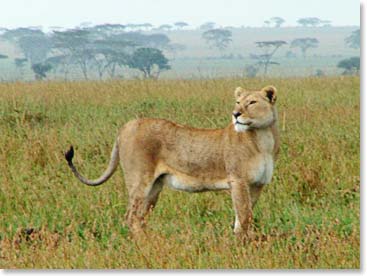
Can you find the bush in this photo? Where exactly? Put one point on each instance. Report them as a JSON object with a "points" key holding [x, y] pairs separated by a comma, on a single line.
{"points": [[351, 65]]}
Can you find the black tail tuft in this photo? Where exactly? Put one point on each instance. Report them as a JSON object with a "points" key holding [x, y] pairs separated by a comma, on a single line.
{"points": [[69, 155]]}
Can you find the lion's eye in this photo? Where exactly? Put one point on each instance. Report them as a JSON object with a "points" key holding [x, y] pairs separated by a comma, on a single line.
{"points": [[252, 102], [237, 102]]}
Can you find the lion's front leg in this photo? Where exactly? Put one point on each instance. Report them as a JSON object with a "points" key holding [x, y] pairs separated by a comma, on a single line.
{"points": [[242, 205]]}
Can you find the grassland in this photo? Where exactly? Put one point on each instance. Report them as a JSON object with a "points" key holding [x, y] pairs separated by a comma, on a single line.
{"points": [[308, 217]]}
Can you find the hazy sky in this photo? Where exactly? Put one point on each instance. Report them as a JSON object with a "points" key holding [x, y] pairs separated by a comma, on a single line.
{"points": [[70, 13]]}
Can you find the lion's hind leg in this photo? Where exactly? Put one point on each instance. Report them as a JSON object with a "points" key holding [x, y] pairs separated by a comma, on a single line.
{"points": [[142, 199], [153, 195]]}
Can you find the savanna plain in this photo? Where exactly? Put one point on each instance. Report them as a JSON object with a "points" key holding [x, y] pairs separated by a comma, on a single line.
{"points": [[308, 217]]}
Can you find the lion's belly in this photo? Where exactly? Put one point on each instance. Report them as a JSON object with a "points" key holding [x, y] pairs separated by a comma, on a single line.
{"points": [[190, 184]]}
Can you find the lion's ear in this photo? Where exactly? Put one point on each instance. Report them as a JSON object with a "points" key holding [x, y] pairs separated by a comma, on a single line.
{"points": [[238, 92], [270, 92]]}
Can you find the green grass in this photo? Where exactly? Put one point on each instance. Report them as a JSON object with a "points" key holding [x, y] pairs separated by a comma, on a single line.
{"points": [[308, 217]]}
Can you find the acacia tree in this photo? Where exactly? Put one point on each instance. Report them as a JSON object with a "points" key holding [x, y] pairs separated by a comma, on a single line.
{"points": [[110, 53], [77, 45], [218, 38], [278, 21], [309, 21], [102, 48], [150, 61], [354, 40], [269, 49], [304, 44], [115, 50], [180, 25]]}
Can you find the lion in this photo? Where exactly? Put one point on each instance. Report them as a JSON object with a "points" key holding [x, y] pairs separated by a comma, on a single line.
{"points": [[154, 153]]}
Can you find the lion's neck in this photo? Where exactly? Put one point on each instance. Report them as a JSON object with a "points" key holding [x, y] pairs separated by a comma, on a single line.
{"points": [[264, 139], [268, 139]]}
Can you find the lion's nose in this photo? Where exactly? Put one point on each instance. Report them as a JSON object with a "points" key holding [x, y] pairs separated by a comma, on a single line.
{"points": [[236, 114]]}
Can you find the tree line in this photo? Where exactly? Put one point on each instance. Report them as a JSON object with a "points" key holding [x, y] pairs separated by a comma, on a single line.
{"points": [[101, 48], [221, 38], [106, 48]]}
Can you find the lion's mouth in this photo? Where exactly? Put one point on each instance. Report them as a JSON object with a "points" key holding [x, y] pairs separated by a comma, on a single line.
{"points": [[244, 124]]}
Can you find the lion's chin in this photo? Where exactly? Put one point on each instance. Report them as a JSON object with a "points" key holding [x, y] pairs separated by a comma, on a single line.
{"points": [[240, 127]]}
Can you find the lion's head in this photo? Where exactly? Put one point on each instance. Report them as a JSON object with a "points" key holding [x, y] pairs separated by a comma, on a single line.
{"points": [[254, 109]]}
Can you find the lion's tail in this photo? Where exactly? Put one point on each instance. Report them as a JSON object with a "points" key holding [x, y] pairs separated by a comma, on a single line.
{"points": [[106, 175]]}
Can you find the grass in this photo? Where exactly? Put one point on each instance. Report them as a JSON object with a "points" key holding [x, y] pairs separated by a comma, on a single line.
{"points": [[308, 217]]}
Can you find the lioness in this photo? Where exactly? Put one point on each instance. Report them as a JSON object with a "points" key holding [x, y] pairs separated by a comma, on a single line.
{"points": [[156, 152]]}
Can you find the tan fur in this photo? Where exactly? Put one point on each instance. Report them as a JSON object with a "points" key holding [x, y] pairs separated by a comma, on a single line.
{"points": [[155, 152]]}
